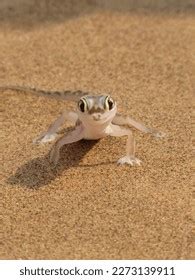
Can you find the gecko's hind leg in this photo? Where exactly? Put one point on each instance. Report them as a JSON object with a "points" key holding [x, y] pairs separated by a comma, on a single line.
{"points": [[50, 134]]}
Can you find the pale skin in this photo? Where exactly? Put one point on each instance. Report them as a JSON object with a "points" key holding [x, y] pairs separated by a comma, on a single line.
{"points": [[114, 127], [96, 117]]}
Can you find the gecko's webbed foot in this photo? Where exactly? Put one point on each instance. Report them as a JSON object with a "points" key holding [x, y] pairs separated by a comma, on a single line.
{"points": [[44, 138], [157, 134], [131, 160]]}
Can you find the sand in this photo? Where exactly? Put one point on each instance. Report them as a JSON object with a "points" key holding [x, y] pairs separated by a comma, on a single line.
{"points": [[140, 52]]}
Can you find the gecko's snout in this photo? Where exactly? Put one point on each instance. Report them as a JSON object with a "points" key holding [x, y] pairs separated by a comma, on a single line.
{"points": [[96, 117]]}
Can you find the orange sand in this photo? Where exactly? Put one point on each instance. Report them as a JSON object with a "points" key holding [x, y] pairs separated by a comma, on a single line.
{"points": [[90, 208]]}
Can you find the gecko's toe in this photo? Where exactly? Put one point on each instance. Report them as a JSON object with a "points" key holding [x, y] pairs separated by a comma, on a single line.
{"points": [[48, 138], [129, 160], [159, 134], [45, 138], [36, 141]]}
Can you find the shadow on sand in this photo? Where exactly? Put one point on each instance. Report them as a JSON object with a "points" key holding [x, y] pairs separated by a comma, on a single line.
{"points": [[40, 172]]}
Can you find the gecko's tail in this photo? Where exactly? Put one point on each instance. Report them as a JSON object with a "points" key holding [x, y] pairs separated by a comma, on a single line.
{"points": [[59, 95]]}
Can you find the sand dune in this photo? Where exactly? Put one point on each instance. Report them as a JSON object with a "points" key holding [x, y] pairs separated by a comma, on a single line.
{"points": [[88, 207]]}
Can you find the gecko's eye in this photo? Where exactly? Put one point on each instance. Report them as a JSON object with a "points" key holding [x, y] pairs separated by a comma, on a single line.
{"points": [[109, 103], [82, 104]]}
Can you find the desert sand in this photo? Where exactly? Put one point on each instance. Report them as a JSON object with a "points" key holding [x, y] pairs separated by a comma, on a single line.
{"points": [[140, 52]]}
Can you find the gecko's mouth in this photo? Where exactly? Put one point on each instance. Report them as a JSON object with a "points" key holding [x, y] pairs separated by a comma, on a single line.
{"points": [[97, 118]]}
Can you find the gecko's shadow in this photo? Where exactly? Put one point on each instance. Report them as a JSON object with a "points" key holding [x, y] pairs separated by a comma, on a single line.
{"points": [[40, 172]]}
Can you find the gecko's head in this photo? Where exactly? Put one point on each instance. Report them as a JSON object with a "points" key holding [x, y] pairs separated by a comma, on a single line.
{"points": [[96, 109]]}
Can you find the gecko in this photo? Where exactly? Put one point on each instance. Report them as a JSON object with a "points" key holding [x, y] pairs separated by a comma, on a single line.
{"points": [[95, 117]]}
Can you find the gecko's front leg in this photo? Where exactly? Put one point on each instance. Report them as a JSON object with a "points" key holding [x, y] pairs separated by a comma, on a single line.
{"points": [[122, 120], [71, 137], [50, 134], [129, 158]]}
